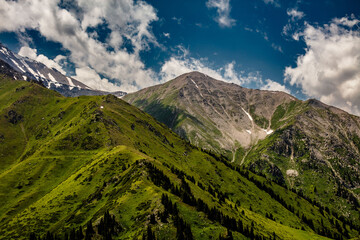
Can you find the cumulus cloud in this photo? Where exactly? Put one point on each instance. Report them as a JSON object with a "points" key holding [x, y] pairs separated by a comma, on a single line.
{"points": [[92, 79], [126, 19], [274, 86], [330, 67], [295, 14], [345, 21], [32, 54], [181, 64], [272, 2], [223, 9]]}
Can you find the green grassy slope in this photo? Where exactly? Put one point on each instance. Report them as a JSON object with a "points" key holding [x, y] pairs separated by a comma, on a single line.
{"points": [[67, 161], [323, 158]]}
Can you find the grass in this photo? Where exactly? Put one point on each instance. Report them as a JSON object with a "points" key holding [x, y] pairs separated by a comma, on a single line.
{"points": [[71, 159]]}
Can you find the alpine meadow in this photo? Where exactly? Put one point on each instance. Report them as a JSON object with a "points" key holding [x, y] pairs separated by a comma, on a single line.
{"points": [[151, 120]]}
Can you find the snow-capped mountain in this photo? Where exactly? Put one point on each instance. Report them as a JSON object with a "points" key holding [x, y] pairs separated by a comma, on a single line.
{"points": [[51, 78]]}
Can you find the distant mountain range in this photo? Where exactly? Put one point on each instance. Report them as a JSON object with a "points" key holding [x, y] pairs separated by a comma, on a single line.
{"points": [[306, 145], [28, 69]]}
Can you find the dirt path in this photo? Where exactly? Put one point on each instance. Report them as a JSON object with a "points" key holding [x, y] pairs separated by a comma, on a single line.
{"points": [[23, 131], [243, 159], [234, 153]]}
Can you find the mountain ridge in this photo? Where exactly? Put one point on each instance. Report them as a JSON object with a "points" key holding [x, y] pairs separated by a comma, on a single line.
{"points": [[29, 69], [71, 162], [197, 85], [304, 145]]}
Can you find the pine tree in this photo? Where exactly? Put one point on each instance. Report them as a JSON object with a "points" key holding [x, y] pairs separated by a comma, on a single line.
{"points": [[33, 236], [229, 235], [152, 219], [89, 231], [49, 236], [149, 234], [79, 234], [72, 234]]}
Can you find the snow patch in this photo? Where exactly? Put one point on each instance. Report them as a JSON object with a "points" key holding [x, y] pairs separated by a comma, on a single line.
{"points": [[18, 66], [4, 51], [53, 80], [198, 88], [40, 74], [24, 77], [251, 119], [268, 131], [292, 173], [195, 83], [51, 77], [248, 131], [29, 68], [70, 82]]}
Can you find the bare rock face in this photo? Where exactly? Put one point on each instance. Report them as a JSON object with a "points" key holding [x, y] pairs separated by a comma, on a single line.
{"points": [[210, 113]]}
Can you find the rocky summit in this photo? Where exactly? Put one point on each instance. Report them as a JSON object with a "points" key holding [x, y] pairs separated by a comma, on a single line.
{"points": [[211, 113]]}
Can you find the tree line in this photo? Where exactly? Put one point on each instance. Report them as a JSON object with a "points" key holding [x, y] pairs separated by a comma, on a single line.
{"points": [[107, 228]]}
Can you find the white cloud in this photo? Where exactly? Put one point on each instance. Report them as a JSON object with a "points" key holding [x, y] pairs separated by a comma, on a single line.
{"points": [[345, 21], [223, 9], [330, 68], [295, 14], [92, 79], [293, 23], [125, 18], [273, 2], [32, 54], [167, 35], [177, 20], [277, 47], [287, 29], [274, 86], [181, 64]]}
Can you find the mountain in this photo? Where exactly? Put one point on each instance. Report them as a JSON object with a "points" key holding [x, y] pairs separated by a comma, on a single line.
{"points": [[305, 145], [28, 69], [97, 166], [210, 113]]}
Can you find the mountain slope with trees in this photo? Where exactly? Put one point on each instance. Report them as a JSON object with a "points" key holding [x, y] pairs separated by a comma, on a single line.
{"points": [[305, 145], [95, 167]]}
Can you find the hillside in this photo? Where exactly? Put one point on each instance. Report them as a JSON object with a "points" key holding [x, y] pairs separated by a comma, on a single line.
{"points": [[305, 145], [70, 165]]}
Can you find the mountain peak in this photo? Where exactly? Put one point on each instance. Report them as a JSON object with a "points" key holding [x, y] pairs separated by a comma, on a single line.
{"points": [[318, 104], [193, 74], [198, 80], [226, 113]]}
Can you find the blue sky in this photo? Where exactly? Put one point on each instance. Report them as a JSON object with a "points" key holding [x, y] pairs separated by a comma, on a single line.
{"points": [[293, 46]]}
